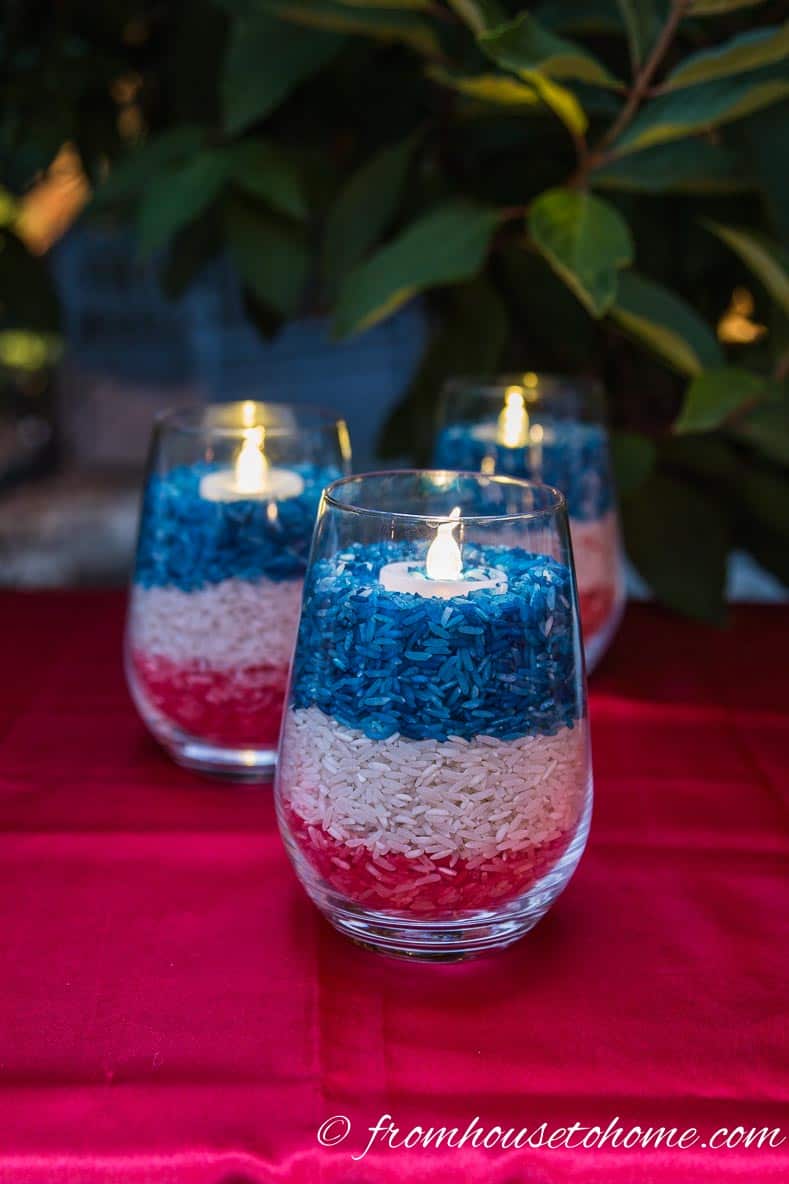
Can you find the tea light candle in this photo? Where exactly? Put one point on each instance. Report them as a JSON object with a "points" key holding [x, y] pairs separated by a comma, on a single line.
{"points": [[513, 429], [443, 574], [251, 478]]}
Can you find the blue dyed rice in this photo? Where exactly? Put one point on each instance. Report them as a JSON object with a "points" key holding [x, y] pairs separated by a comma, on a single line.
{"points": [[496, 664], [577, 462], [188, 542]]}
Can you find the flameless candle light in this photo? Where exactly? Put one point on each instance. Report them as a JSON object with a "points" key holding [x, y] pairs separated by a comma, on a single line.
{"points": [[513, 429], [252, 477], [443, 572]]}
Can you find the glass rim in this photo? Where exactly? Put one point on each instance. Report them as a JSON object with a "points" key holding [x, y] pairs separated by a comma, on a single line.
{"points": [[493, 384], [558, 506], [195, 419]]}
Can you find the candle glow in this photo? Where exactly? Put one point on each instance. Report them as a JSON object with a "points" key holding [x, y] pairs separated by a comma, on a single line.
{"points": [[513, 426], [251, 468], [444, 560]]}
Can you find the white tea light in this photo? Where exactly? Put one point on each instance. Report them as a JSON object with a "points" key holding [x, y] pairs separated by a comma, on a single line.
{"points": [[443, 574], [251, 478]]}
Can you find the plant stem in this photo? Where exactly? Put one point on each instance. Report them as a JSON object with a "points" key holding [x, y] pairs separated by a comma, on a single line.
{"points": [[638, 92], [647, 72]]}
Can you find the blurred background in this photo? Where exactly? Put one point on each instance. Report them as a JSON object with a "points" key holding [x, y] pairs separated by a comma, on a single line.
{"points": [[347, 203]]}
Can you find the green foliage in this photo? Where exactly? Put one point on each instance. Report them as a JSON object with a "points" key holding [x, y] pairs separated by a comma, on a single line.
{"points": [[763, 256], [664, 322], [443, 247], [572, 184], [364, 210], [716, 395], [526, 48], [266, 59], [175, 198], [634, 459], [678, 537], [271, 254], [683, 166], [470, 339], [745, 52], [585, 240], [711, 104], [642, 22]]}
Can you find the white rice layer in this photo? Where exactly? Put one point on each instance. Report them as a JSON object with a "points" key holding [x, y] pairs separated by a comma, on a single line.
{"points": [[226, 626], [473, 799], [596, 550]]}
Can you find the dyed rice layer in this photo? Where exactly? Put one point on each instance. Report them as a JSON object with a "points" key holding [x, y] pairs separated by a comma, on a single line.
{"points": [[575, 460], [426, 826], [234, 624], [235, 707], [215, 662], [598, 570], [188, 542], [484, 664]]}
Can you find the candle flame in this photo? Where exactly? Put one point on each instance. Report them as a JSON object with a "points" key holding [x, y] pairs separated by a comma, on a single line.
{"points": [[251, 464], [444, 560], [514, 420]]}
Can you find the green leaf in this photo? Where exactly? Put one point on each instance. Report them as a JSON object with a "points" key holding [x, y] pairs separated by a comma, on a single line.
{"points": [[682, 166], [501, 89], [715, 395], [265, 60], [714, 7], [270, 253], [579, 16], [134, 172], [525, 47], [698, 108], [382, 23], [633, 457], [562, 101], [664, 322], [585, 240], [766, 428], [364, 209], [479, 15], [190, 251], [758, 47], [406, 5], [678, 539], [767, 135], [262, 170], [642, 23], [443, 247], [764, 257], [174, 199], [469, 339]]}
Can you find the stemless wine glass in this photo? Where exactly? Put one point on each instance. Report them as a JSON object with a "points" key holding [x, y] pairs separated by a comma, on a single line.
{"points": [[552, 429], [434, 785], [229, 505]]}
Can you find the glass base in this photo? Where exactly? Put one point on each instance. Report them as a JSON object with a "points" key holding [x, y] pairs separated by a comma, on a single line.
{"points": [[233, 764], [438, 941], [245, 764], [452, 939]]}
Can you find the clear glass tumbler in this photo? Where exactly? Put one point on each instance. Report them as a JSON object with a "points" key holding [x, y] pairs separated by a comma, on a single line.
{"points": [[228, 510], [551, 429], [434, 785]]}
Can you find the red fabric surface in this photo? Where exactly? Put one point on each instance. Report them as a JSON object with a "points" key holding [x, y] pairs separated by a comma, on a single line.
{"points": [[173, 1009]]}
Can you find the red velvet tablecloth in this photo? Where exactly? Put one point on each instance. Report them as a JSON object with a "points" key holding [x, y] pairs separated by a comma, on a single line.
{"points": [[173, 1009]]}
